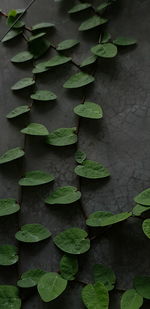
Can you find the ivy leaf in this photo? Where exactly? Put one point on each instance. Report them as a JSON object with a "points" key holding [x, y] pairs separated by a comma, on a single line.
{"points": [[30, 278], [43, 95], [9, 297], [79, 7], [107, 50], [146, 227], [40, 68], [38, 47], [92, 170], [50, 286], [89, 110], [67, 44], [11, 35], [64, 195], [32, 233], [95, 296], [121, 41], [103, 6], [36, 36], [106, 37], [62, 137], [104, 275], [131, 300], [57, 60], [101, 218], [143, 198], [142, 286], [35, 129], [18, 111], [78, 80], [73, 241], [36, 178], [8, 207], [139, 209], [8, 255], [22, 57], [80, 156], [23, 83], [12, 154], [42, 26], [92, 22], [88, 61], [68, 267]]}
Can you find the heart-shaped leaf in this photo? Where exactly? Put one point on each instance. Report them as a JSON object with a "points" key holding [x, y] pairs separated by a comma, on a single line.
{"points": [[80, 156], [79, 80], [101, 218], [88, 61], [12, 154], [42, 26], [79, 7], [142, 286], [50, 286], [30, 278], [38, 47], [43, 95], [139, 209], [146, 227], [106, 50], [8, 255], [18, 111], [62, 137], [35, 129], [143, 198], [11, 35], [8, 207], [23, 83], [104, 275], [67, 44], [92, 170], [57, 60], [9, 297], [64, 195], [73, 241], [131, 300], [121, 41], [36, 178], [89, 110], [95, 296], [92, 22], [32, 233], [68, 267], [22, 57]]}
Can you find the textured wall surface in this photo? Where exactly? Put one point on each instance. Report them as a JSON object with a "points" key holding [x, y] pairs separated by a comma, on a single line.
{"points": [[121, 141]]}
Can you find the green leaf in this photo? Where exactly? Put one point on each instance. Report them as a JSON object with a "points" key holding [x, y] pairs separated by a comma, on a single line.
{"points": [[9, 297], [40, 67], [8, 206], [143, 198], [80, 156], [22, 57], [35, 129], [92, 170], [38, 47], [68, 267], [107, 50], [142, 286], [121, 41], [88, 61], [43, 95], [11, 35], [12, 154], [73, 241], [79, 7], [89, 110], [57, 60], [64, 195], [104, 275], [105, 37], [36, 178], [32, 233], [139, 209], [30, 278], [101, 218], [78, 80], [8, 255], [95, 296], [146, 227], [67, 44], [62, 137], [18, 111], [36, 36], [12, 17], [131, 300], [50, 286], [23, 83], [103, 6], [92, 22], [42, 26]]}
